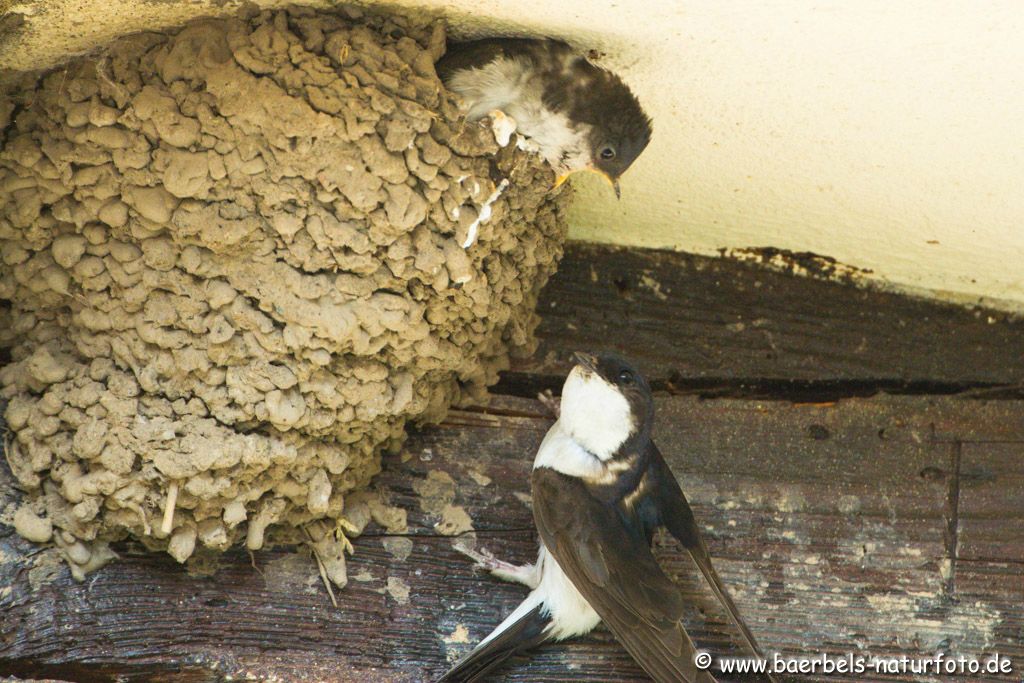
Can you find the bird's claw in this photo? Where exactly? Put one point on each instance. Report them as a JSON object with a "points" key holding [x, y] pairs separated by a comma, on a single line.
{"points": [[483, 558], [551, 402], [502, 125], [484, 561]]}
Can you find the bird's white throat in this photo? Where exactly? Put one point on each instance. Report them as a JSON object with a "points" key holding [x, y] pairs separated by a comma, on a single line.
{"points": [[595, 413]]}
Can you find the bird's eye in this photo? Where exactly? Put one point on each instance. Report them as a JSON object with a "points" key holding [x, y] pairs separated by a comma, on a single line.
{"points": [[607, 153], [626, 377]]}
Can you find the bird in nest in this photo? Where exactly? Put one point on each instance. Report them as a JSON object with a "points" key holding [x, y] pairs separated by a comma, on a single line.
{"points": [[577, 116]]}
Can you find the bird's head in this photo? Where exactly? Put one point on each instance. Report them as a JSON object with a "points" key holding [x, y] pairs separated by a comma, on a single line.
{"points": [[605, 402], [619, 130], [614, 148]]}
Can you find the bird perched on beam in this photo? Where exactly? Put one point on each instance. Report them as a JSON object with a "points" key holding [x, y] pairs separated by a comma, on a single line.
{"points": [[600, 490], [576, 115]]}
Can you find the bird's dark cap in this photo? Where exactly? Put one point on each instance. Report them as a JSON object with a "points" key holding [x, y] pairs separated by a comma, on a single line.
{"points": [[592, 95], [618, 123]]}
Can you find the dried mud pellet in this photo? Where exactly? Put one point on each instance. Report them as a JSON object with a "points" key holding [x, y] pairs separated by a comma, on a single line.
{"points": [[182, 543], [32, 527]]}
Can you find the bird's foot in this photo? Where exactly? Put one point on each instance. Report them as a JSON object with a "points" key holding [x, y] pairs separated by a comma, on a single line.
{"points": [[525, 574], [502, 125], [551, 402]]}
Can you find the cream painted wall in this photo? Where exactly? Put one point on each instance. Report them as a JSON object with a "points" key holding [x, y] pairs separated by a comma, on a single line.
{"points": [[888, 135]]}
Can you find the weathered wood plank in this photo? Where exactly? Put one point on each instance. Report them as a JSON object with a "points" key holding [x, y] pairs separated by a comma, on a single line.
{"points": [[828, 522], [704, 322], [991, 509]]}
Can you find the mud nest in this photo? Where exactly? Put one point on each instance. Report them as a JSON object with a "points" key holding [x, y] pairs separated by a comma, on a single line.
{"points": [[238, 259]]}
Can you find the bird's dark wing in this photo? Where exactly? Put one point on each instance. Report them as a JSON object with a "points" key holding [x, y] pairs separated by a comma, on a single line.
{"points": [[475, 53], [677, 517], [612, 566]]}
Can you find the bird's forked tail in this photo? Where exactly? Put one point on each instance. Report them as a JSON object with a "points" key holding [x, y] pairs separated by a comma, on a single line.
{"points": [[525, 628]]}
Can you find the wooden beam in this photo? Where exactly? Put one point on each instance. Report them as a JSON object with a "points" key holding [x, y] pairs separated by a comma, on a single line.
{"points": [[829, 523], [719, 326]]}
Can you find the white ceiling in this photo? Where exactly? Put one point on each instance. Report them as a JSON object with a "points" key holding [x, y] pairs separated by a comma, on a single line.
{"points": [[888, 135]]}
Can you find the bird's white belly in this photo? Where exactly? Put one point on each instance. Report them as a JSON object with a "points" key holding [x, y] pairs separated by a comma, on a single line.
{"points": [[509, 86], [571, 614]]}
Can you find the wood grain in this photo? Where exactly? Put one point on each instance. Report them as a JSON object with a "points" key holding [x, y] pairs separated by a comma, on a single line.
{"points": [[718, 326], [827, 521]]}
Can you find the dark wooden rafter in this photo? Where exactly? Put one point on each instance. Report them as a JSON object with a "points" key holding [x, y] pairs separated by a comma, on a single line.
{"points": [[719, 327]]}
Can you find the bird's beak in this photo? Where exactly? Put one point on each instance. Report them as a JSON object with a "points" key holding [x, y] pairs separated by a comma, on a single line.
{"points": [[614, 182], [586, 360], [611, 181]]}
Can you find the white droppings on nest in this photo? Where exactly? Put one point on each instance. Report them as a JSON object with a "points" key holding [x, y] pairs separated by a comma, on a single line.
{"points": [[484, 214], [169, 504]]}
